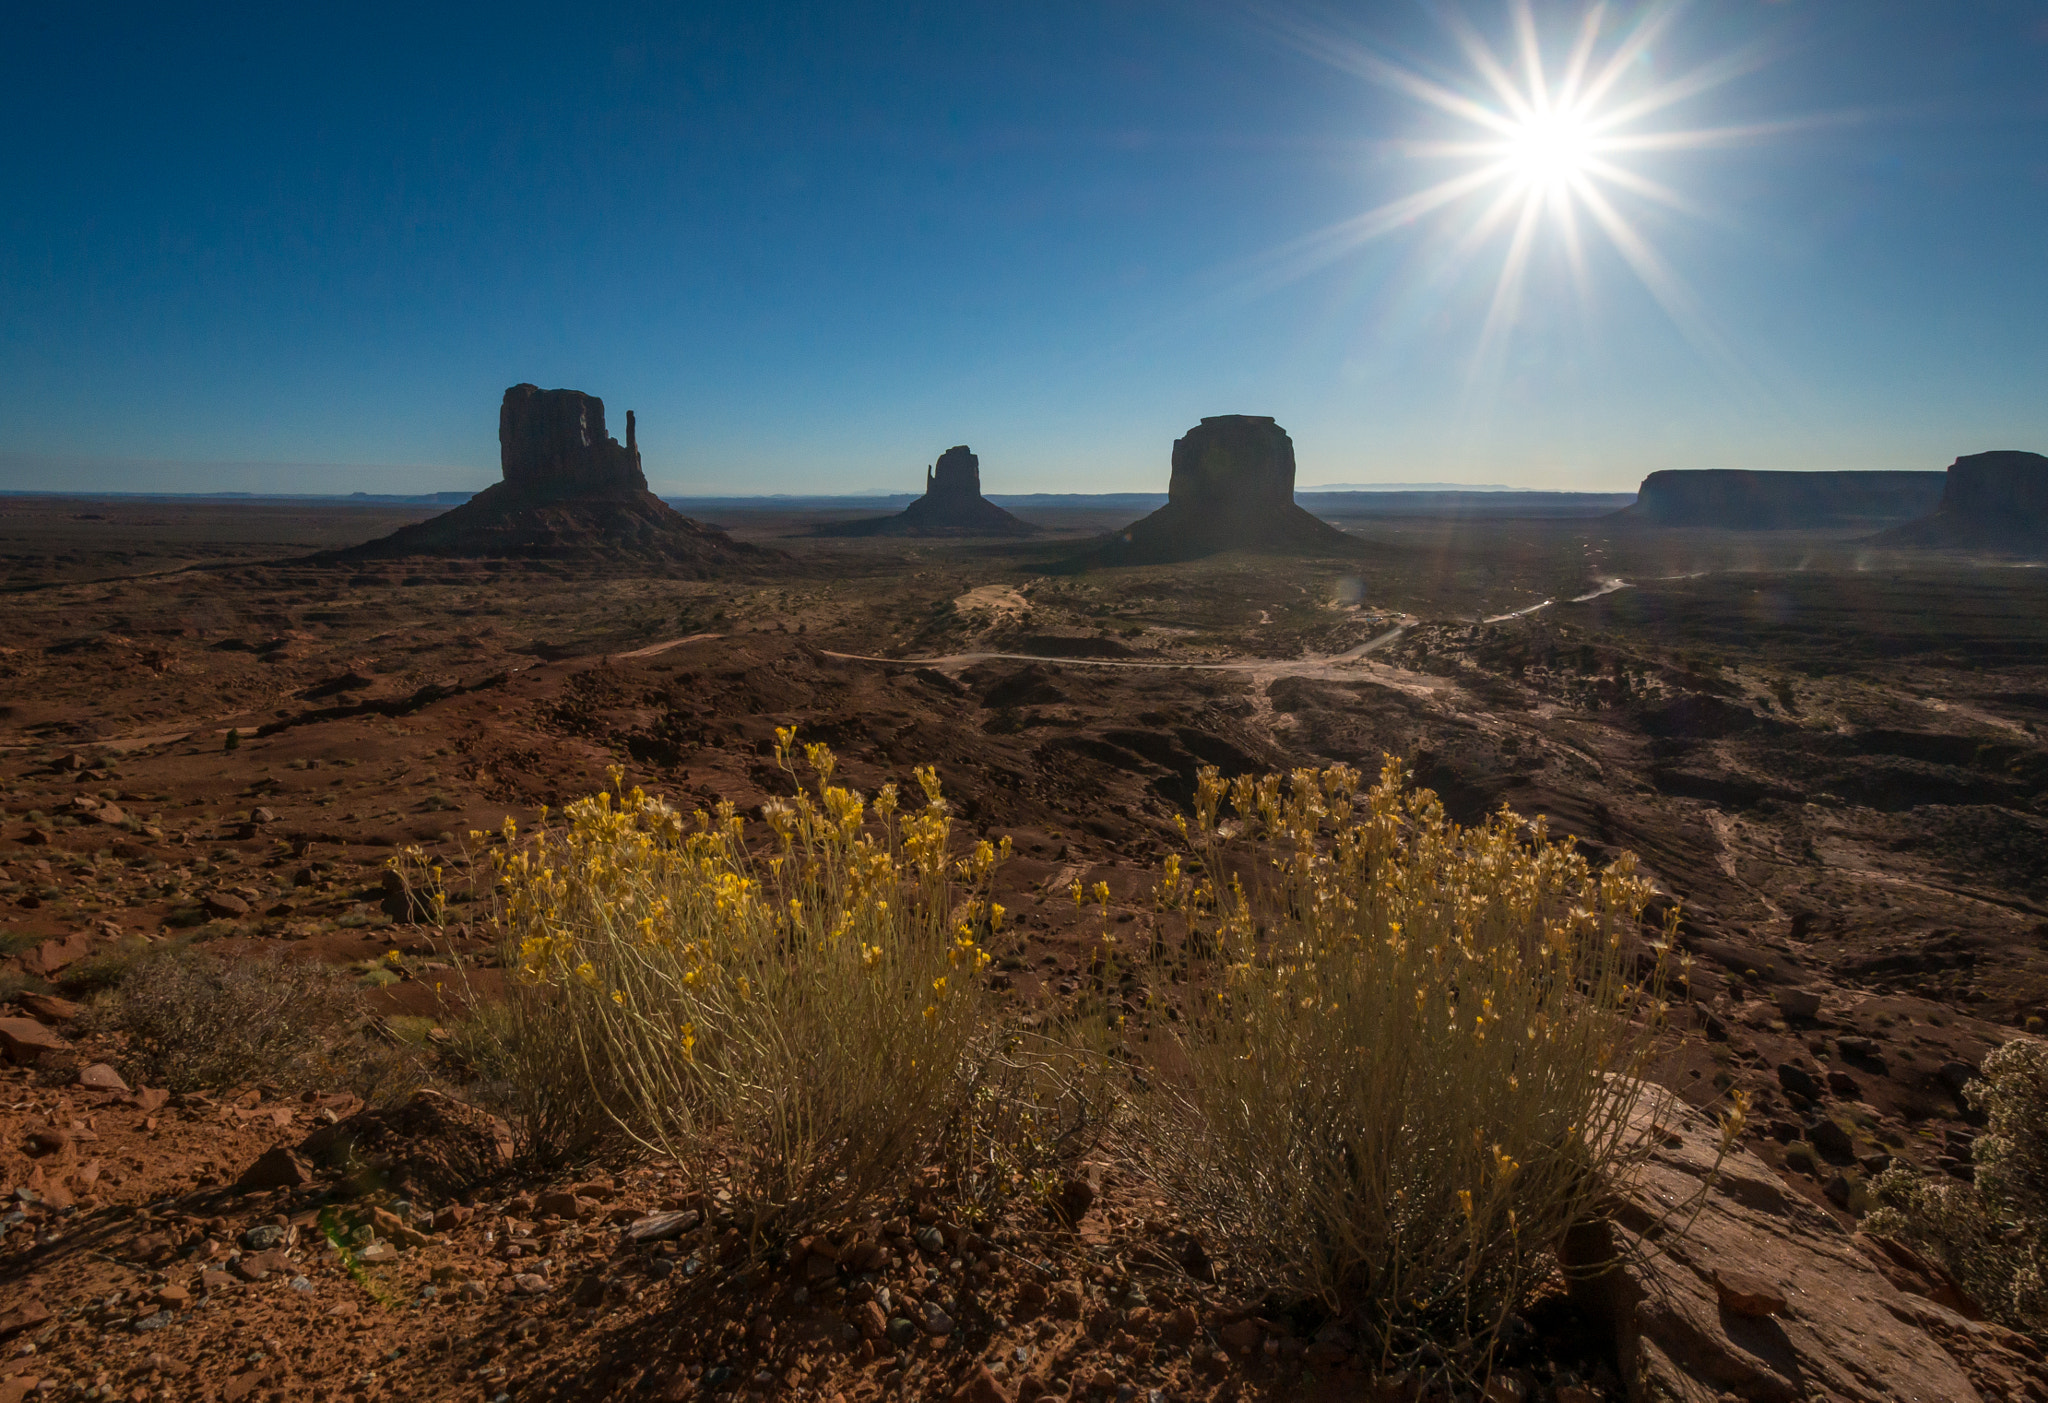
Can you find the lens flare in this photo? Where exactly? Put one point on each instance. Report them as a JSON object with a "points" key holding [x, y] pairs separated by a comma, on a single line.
{"points": [[1553, 145]]}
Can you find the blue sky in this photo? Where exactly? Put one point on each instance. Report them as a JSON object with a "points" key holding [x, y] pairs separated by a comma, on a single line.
{"points": [[815, 245]]}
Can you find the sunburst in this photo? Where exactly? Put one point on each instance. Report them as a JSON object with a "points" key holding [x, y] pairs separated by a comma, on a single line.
{"points": [[1555, 143]]}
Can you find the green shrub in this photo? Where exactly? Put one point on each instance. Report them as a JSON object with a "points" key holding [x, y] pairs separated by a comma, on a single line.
{"points": [[1410, 1049], [1991, 1235]]}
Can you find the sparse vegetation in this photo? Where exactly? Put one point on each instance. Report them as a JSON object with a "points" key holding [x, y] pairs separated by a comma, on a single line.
{"points": [[196, 1020], [805, 1022], [1992, 1234], [1409, 1052]]}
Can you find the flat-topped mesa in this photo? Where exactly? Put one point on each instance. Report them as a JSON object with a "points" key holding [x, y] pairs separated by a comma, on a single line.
{"points": [[553, 442], [1994, 501], [952, 505], [1233, 462], [1232, 489], [1742, 499]]}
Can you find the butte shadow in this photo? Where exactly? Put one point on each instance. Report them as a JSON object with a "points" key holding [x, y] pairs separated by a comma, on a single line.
{"points": [[1232, 489], [571, 494], [952, 505]]}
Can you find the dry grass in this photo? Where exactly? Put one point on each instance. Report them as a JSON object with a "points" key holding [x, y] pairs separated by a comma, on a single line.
{"points": [[1396, 1086], [805, 1023], [195, 1020]]}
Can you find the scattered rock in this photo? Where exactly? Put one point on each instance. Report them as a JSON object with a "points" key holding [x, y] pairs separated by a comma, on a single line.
{"points": [[31, 1314], [223, 905], [1798, 1081], [1846, 1332], [1799, 1005], [100, 1077], [48, 1008], [277, 1168], [25, 1040], [528, 1283], [432, 1147]]}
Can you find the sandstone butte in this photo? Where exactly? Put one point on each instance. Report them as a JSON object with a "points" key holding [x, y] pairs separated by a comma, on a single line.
{"points": [[1995, 502], [571, 492], [1232, 489], [952, 505]]}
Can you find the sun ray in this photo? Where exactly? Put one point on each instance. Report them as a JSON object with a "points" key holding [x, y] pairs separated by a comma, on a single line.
{"points": [[1548, 150]]}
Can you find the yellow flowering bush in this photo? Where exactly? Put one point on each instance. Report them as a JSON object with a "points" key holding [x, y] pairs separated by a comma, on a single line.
{"points": [[796, 1014], [1396, 1084]]}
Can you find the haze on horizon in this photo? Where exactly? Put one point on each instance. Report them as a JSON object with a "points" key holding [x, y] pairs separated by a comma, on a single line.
{"points": [[814, 248]]}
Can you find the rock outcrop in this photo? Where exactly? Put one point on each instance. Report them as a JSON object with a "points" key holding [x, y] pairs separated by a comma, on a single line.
{"points": [[952, 505], [1764, 1296], [1994, 502], [1736, 499], [1232, 489], [571, 492]]}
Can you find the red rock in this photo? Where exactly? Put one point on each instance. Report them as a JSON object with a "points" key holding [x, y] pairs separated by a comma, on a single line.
{"points": [[31, 1314], [981, 1387], [1241, 1336], [255, 1266], [149, 1100], [223, 905], [100, 1077], [48, 1008], [561, 1203], [277, 1168], [211, 1281], [25, 1039], [1747, 1295], [869, 1320], [54, 955], [1847, 1332]]}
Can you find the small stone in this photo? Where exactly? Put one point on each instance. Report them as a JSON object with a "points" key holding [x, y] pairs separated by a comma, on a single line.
{"points": [[263, 815], [1241, 1336], [223, 905], [938, 1323], [100, 1077], [377, 1252], [263, 1237], [528, 1283], [662, 1227], [901, 1332], [212, 1282], [869, 1321], [48, 1008], [277, 1168], [1743, 1294], [930, 1241], [561, 1203], [1798, 1081], [452, 1217], [1077, 1196], [173, 1297], [1829, 1137]]}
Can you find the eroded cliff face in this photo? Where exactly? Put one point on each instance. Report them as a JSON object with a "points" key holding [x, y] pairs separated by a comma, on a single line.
{"points": [[1233, 462], [554, 442], [956, 474], [1736, 499]]}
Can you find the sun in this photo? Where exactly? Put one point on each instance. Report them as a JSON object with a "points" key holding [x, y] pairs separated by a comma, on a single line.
{"points": [[1553, 145], [1549, 150]]}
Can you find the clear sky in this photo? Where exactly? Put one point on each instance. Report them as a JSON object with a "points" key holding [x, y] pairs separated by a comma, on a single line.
{"points": [[814, 245]]}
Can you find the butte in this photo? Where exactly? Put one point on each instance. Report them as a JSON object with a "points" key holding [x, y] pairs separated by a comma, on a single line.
{"points": [[1232, 489], [952, 505], [571, 493], [1994, 502]]}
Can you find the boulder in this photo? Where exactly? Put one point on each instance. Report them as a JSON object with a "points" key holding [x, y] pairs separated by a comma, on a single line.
{"points": [[1764, 1296], [1232, 488]]}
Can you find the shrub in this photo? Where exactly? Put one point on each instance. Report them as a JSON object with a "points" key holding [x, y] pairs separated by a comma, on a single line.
{"points": [[195, 1020], [1991, 1235], [805, 1022], [1409, 1054]]}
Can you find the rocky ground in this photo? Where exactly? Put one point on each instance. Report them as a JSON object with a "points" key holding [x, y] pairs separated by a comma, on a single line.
{"points": [[1838, 773]]}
